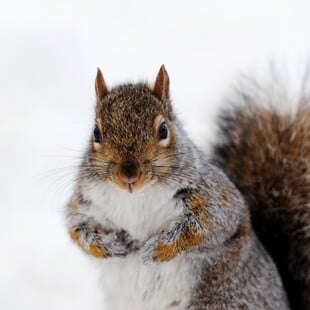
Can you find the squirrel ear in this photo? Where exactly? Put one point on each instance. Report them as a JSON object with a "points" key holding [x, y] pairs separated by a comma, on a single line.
{"points": [[101, 87], [161, 86]]}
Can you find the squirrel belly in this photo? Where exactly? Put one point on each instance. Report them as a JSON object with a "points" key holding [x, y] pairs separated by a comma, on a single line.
{"points": [[129, 284], [168, 228], [265, 150]]}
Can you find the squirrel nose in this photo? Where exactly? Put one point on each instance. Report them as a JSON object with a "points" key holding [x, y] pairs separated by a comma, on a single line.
{"points": [[129, 172]]}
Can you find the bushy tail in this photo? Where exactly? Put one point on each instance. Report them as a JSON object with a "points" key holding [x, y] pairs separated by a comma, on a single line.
{"points": [[265, 150]]}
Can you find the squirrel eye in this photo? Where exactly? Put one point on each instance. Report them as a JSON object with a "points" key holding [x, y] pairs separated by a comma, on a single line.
{"points": [[162, 131], [97, 135]]}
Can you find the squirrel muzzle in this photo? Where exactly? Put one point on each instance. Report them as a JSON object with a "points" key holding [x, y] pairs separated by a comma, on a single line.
{"points": [[129, 175]]}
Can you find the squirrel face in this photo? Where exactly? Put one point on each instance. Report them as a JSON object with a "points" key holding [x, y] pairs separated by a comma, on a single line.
{"points": [[133, 139]]}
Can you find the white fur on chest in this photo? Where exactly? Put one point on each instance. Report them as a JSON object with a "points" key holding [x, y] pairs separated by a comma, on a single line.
{"points": [[130, 285], [142, 213], [127, 282]]}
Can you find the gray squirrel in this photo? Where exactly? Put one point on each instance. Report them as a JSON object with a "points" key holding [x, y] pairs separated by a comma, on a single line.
{"points": [[169, 229]]}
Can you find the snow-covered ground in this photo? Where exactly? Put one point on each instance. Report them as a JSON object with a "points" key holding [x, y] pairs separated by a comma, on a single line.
{"points": [[49, 52]]}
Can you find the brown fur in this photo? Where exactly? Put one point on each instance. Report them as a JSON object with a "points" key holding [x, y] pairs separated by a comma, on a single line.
{"points": [[188, 239], [96, 251], [76, 237], [197, 203], [116, 124], [161, 87], [100, 86], [73, 205], [267, 155], [93, 249]]}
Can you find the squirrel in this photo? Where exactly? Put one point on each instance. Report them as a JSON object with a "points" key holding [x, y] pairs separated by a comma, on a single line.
{"points": [[263, 145], [169, 229]]}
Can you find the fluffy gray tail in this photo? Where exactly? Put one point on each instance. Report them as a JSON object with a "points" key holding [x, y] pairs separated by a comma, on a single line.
{"points": [[265, 150]]}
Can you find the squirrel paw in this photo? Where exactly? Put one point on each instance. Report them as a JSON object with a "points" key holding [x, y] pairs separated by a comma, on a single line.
{"points": [[103, 243], [148, 251], [157, 249], [116, 243], [177, 238]]}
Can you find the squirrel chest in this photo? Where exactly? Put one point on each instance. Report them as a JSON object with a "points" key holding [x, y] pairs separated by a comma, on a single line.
{"points": [[142, 215]]}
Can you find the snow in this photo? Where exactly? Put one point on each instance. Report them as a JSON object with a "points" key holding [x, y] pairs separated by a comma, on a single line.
{"points": [[49, 52]]}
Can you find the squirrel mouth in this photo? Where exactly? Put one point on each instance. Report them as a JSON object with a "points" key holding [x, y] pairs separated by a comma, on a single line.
{"points": [[128, 184], [130, 189]]}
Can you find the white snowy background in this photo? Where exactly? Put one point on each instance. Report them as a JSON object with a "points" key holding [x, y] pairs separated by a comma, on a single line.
{"points": [[49, 52]]}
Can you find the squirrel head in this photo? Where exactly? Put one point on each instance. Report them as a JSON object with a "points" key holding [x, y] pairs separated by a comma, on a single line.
{"points": [[133, 139]]}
